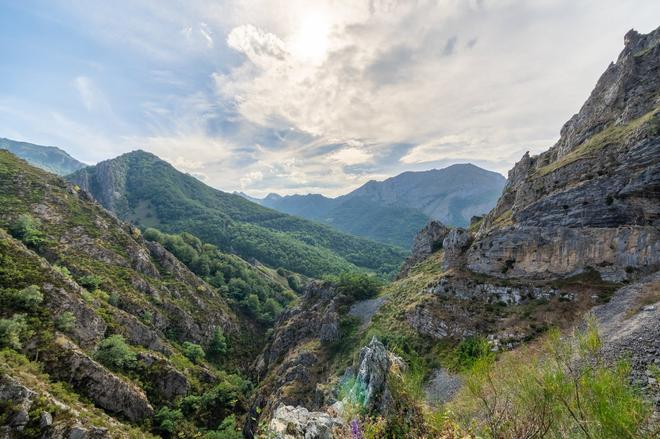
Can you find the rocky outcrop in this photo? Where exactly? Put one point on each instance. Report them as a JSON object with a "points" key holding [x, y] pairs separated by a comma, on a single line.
{"points": [[17, 399], [370, 382], [454, 246], [113, 394], [592, 199], [629, 327], [298, 423], [167, 383], [428, 240]]}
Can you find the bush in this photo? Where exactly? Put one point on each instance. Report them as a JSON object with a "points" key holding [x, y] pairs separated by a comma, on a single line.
{"points": [[28, 298], [14, 331], [565, 391], [91, 281], [26, 229], [168, 419], [115, 353], [218, 345], [468, 352], [193, 352], [227, 430], [358, 286], [66, 321]]}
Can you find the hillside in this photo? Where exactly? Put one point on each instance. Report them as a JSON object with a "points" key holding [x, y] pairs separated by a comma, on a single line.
{"points": [[118, 323], [49, 158], [147, 191], [488, 331], [393, 210]]}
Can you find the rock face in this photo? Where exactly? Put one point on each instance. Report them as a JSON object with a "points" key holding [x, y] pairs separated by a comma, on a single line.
{"points": [[591, 199], [428, 240], [454, 246], [371, 379], [629, 326], [297, 422], [107, 390]]}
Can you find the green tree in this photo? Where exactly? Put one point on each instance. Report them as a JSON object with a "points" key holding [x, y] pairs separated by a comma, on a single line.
{"points": [[358, 286], [29, 298], [218, 345], [115, 353], [27, 230], [91, 282], [66, 321], [193, 352], [14, 331], [168, 419]]}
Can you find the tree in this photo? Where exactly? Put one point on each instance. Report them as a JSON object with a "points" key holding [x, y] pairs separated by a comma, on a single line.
{"points": [[115, 353], [252, 304], [193, 352], [218, 345], [13, 331], [66, 321], [26, 229], [271, 308], [359, 286], [28, 298], [91, 282]]}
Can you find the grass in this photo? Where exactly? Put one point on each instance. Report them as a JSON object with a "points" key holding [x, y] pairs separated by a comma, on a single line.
{"points": [[612, 135]]}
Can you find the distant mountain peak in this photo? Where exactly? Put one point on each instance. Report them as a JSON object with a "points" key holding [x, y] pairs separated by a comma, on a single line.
{"points": [[49, 158]]}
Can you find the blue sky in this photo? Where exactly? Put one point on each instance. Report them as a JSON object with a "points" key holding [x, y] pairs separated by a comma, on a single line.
{"points": [[305, 96]]}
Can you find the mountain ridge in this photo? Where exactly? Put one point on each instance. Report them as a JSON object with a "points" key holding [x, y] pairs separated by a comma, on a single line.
{"points": [[49, 158]]}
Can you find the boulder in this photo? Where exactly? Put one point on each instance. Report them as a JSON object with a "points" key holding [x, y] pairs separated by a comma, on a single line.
{"points": [[428, 240], [290, 422], [371, 380], [454, 245]]}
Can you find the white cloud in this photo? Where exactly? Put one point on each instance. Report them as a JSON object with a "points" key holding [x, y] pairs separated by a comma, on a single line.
{"points": [[351, 156]]}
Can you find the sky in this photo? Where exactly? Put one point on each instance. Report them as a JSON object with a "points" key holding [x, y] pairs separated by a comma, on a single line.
{"points": [[315, 96]]}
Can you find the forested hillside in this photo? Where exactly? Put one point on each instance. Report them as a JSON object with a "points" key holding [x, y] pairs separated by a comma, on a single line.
{"points": [[147, 191]]}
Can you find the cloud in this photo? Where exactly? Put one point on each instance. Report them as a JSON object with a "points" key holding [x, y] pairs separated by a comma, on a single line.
{"points": [[351, 156]]}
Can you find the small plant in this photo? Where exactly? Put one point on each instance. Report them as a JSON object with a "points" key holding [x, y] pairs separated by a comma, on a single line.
{"points": [[193, 352], [66, 321], [115, 353], [91, 282]]}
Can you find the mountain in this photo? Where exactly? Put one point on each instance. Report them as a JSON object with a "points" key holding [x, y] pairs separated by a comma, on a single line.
{"points": [[392, 211], [50, 158], [114, 325], [548, 304], [148, 191]]}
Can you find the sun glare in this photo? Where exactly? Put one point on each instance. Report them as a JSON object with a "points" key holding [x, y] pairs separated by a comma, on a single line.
{"points": [[310, 41]]}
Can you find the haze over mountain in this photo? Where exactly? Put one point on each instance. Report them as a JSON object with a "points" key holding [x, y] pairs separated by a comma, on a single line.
{"points": [[393, 210], [50, 158]]}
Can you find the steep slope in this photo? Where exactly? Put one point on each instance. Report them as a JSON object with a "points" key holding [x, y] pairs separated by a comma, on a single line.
{"points": [[50, 158], [591, 199], [502, 304], [117, 318], [392, 211], [143, 189]]}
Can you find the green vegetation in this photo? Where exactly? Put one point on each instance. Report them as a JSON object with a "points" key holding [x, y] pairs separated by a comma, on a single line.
{"points": [[358, 286], [565, 390], [28, 299], [156, 194], [27, 230], [116, 354], [193, 352], [218, 345], [14, 331], [66, 321], [259, 293]]}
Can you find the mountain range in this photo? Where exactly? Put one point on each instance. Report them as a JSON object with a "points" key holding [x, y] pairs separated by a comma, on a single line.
{"points": [[141, 188], [50, 158], [125, 311], [392, 211]]}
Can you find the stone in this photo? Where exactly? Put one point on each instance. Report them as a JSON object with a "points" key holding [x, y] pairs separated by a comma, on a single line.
{"points": [[45, 420], [428, 240], [290, 422], [454, 245], [371, 378]]}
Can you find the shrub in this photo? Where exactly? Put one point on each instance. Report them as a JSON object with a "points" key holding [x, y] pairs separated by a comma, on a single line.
{"points": [[468, 352], [358, 286], [27, 230], [227, 430], [113, 299], [271, 309], [218, 345], [115, 353], [193, 352], [14, 331], [28, 298], [91, 281], [66, 321], [565, 391], [63, 271], [168, 419]]}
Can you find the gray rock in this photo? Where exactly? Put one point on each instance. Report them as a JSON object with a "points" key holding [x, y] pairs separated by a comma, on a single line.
{"points": [[290, 422], [45, 420], [454, 245], [428, 240], [371, 379], [20, 398]]}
